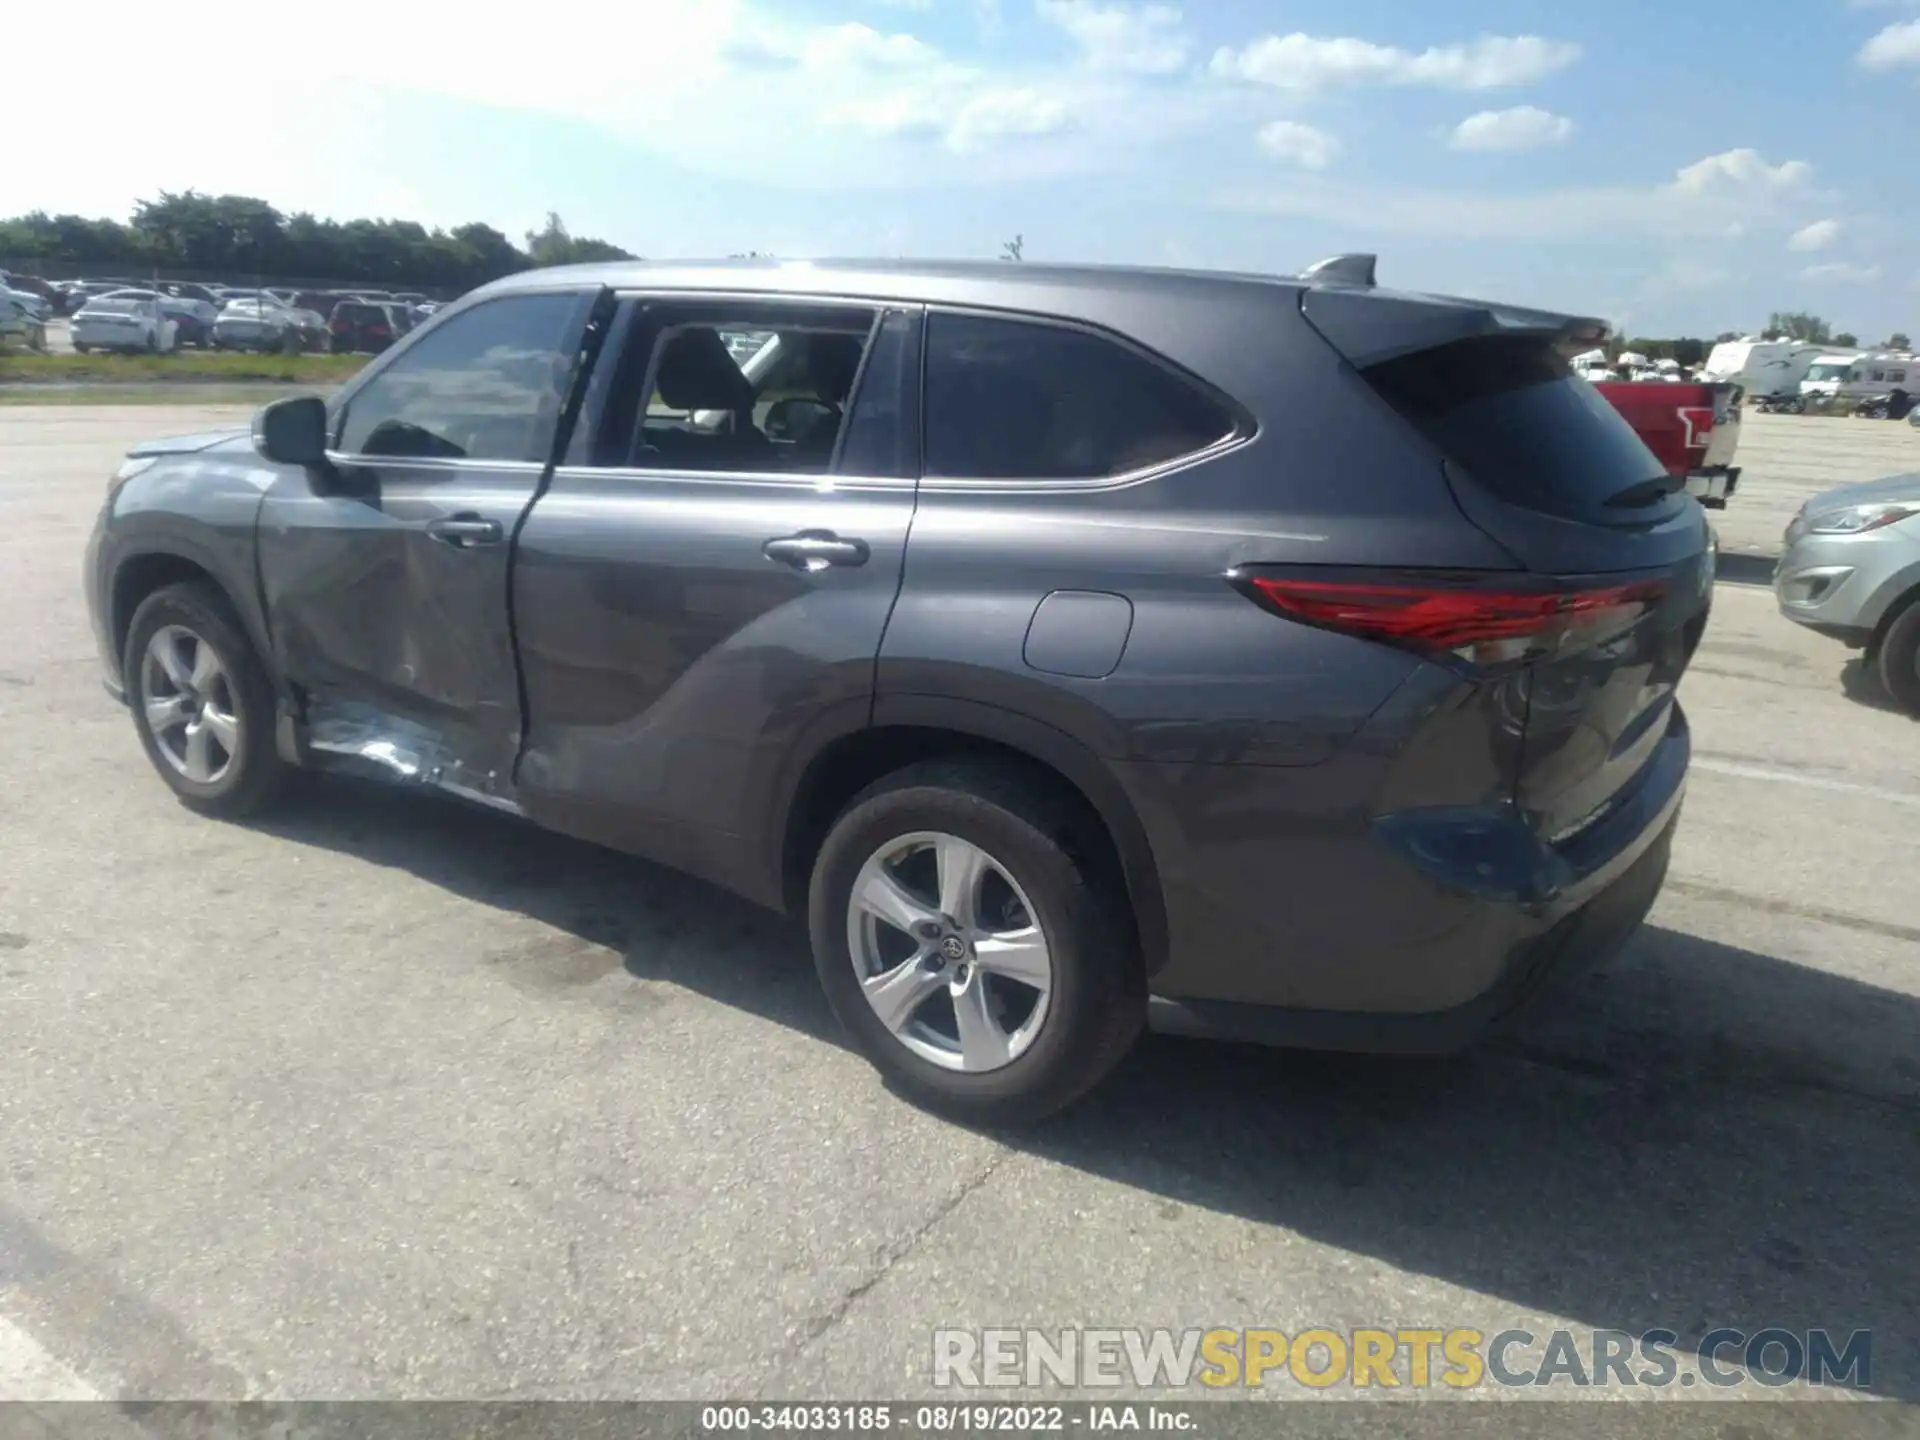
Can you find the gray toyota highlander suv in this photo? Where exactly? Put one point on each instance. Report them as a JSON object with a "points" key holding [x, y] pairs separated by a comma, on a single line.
{"points": [[1077, 649]]}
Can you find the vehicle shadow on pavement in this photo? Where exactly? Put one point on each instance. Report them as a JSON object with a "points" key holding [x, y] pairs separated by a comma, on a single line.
{"points": [[1861, 684], [1699, 1136]]}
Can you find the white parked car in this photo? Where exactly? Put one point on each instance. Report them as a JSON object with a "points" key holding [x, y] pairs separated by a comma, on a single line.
{"points": [[257, 323], [192, 319], [112, 324]]}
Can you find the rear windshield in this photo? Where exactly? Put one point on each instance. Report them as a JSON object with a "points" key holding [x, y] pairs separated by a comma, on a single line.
{"points": [[1510, 412]]}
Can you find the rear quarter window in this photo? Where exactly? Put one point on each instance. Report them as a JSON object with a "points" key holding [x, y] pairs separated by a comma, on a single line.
{"points": [[1510, 412], [1024, 399]]}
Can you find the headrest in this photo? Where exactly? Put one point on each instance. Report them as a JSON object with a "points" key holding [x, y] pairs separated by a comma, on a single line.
{"points": [[697, 373], [834, 360]]}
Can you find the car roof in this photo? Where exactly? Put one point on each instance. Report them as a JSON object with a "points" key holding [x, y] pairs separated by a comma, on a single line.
{"points": [[1337, 295], [958, 281]]}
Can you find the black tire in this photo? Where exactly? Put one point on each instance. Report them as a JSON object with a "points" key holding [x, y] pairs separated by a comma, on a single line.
{"points": [[254, 773], [1097, 1000], [80, 349], [1898, 658]]}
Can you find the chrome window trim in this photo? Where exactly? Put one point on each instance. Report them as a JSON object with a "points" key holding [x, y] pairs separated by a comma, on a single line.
{"points": [[752, 479], [432, 462]]}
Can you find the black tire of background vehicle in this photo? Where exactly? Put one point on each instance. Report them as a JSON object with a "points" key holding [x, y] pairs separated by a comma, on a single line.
{"points": [[257, 773], [80, 349], [290, 343], [1097, 1006], [153, 342], [1898, 658]]}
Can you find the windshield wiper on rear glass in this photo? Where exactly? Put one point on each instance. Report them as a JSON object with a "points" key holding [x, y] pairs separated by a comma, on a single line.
{"points": [[1646, 492]]}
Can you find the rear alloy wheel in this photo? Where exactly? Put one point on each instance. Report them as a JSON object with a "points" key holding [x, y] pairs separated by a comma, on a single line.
{"points": [[202, 702], [1898, 658], [968, 945]]}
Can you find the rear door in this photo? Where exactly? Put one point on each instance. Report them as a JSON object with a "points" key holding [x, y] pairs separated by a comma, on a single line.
{"points": [[1550, 470], [386, 583], [706, 580]]}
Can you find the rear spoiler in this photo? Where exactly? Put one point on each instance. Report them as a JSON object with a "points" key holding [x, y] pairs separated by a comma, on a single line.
{"points": [[1368, 326]]}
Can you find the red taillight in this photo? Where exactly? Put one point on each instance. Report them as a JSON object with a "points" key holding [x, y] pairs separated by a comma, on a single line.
{"points": [[1471, 620]]}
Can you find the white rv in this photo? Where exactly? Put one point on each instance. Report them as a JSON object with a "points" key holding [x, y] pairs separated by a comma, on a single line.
{"points": [[1764, 367], [1858, 377]]}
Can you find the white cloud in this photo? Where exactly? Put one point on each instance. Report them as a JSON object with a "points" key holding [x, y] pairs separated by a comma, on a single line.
{"points": [[906, 4], [1307, 62], [1143, 39], [1894, 46], [832, 47], [1817, 236], [1525, 127], [1842, 273], [1701, 202], [1740, 170], [997, 113], [1298, 144], [899, 113]]}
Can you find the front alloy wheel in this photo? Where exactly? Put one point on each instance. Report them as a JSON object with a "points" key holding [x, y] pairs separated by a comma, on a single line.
{"points": [[187, 697], [948, 953], [202, 701]]}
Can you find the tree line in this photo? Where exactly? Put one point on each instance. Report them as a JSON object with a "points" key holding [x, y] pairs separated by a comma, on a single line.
{"points": [[1800, 325], [242, 237]]}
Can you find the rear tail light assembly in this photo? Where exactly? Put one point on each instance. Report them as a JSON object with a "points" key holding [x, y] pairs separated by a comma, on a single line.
{"points": [[1485, 622]]}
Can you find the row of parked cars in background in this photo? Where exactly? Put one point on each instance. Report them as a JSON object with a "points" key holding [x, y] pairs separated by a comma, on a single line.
{"points": [[158, 316]]}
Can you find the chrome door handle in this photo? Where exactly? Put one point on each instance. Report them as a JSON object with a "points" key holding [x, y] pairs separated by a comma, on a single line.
{"points": [[816, 549], [466, 531]]}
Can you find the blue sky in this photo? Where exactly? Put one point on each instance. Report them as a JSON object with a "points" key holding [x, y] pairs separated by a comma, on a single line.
{"points": [[1677, 168]]}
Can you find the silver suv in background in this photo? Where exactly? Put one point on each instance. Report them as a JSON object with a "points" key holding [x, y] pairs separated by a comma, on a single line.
{"points": [[1851, 570]]}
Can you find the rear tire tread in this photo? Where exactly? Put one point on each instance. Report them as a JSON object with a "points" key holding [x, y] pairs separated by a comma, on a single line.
{"points": [[1897, 656]]}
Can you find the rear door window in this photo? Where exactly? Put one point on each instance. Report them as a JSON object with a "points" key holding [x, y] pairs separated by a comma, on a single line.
{"points": [[1510, 412], [1020, 399], [747, 386]]}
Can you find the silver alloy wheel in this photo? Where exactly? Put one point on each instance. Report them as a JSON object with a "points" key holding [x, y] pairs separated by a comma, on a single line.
{"points": [[187, 699], [949, 952]]}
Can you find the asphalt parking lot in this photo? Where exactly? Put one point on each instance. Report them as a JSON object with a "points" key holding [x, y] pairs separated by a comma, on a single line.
{"points": [[386, 1098]]}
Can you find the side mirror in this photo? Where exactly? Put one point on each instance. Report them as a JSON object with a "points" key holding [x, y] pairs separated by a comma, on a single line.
{"points": [[293, 431], [793, 417]]}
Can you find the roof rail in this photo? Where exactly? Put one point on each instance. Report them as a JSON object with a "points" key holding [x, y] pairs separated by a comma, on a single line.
{"points": [[1343, 270]]}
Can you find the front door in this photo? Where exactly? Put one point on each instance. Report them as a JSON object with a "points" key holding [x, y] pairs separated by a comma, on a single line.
{"points": [[708, 577], [386, 581]]}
